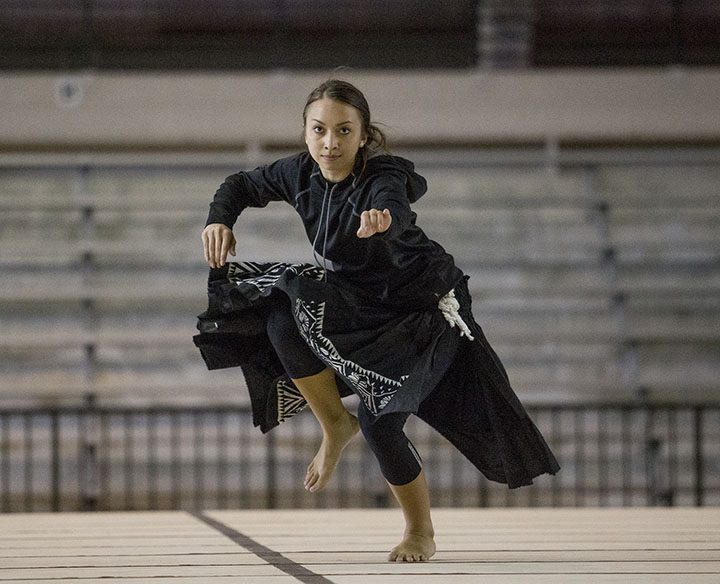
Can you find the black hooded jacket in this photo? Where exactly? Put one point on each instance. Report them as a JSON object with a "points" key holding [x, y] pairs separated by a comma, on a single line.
{"points": [[401, 266]]}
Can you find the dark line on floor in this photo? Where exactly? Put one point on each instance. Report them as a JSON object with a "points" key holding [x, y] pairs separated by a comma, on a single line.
{"points": [[275, 559]]}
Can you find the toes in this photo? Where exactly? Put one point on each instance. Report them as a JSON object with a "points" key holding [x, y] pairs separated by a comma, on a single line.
{"points": [[317, 484], [310, 478], [310, 482], [402, 556], [314, 482]]}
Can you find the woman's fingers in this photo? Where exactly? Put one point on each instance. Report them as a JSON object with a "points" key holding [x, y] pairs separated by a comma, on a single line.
{"points": [[209, 247], [206, 247], [385, 219], [364, 230], [226, 244], [218, 240], [374, 221], [216, 244]]}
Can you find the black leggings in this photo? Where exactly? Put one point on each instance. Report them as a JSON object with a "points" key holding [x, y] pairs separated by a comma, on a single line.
{"points": [[398, 459], [296, 357], [399, 462]]}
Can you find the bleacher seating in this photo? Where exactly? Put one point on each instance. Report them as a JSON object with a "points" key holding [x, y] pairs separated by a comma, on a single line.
{"points": [[592, 281]]}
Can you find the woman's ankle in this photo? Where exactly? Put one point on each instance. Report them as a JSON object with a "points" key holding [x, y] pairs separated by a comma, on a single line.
{"points": [[425, 530]]}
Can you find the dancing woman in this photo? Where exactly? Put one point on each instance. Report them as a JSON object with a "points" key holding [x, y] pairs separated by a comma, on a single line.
{"points": [[385, 314]]}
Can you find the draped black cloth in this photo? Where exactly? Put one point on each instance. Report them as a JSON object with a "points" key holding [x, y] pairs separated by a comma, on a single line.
{"points": [[395, 358]]}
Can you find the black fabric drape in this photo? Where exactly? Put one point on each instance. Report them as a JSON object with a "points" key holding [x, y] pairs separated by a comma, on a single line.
{"points": [[395, 358]]}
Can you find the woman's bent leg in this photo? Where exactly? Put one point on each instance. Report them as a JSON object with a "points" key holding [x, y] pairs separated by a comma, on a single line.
{"points": [[338, 425], [317, 385], [401, 467], [296, 357]]}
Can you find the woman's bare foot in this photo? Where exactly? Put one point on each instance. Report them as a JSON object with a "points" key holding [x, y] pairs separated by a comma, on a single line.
{"points": [[414, 547], [334, 441]]}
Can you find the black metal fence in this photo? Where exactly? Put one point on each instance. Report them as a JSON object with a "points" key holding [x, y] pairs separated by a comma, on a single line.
{"points": [[92, 458]]}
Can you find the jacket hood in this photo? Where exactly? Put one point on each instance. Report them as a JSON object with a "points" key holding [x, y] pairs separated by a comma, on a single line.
{"points": [[416, 184]]}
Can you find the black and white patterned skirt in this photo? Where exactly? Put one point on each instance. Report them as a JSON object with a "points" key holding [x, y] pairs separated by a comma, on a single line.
{"points": [[432, 361]]}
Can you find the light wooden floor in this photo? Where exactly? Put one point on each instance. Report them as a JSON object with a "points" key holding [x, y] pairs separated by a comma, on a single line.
{"points": [[486, 546]]}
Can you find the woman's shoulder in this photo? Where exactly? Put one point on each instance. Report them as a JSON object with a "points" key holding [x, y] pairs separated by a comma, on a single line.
{"points": [[384, 161], [393, 169], [286, 170]]}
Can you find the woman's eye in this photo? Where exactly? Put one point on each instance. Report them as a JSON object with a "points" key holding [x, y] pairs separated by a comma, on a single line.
{"points": [[344, 130], [317, 129]]}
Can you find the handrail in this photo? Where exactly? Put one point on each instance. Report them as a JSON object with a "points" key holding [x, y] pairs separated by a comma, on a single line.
{"points": [[93, 457]]}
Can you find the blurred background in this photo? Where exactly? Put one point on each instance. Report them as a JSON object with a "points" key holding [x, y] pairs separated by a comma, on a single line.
{"points": [[572, 152]]}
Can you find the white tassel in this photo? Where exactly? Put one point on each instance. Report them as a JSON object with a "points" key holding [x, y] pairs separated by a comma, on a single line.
{"points": [[449, 306]]}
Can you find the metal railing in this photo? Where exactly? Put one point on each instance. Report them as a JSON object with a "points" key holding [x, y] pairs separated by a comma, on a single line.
{"points": [[97, 458]]}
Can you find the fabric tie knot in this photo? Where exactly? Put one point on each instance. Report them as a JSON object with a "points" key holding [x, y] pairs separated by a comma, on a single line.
{"points": [[449, 306]]}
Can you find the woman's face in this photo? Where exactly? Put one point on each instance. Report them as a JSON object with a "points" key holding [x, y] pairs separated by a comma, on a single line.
{"points": [[333, 134]]}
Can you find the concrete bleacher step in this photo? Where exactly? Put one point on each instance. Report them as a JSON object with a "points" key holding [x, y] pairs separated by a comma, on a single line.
{"points": [[76, 336], [171, 391], [512, 186], [41, 188], [109, 188], [511, 236], [670, 234], [534, 385], [665, 185], [56, 284]]}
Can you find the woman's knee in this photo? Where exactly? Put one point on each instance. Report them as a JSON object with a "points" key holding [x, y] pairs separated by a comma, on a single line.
{"points": [[381, 429], [281, 323], [399, 462], [297, 358]]}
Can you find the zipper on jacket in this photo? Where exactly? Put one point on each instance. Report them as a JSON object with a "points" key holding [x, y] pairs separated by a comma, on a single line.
{"points": [[327, 199]]}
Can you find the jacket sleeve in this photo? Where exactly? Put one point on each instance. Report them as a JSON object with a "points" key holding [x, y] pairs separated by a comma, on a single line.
{"points": [[254, 188], [390, 192]]}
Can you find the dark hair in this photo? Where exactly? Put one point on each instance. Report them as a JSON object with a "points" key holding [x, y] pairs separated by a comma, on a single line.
{"points": [[345, 92]]}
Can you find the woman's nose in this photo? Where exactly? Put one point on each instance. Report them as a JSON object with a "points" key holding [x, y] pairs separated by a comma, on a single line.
{"points": [[330, 141]]}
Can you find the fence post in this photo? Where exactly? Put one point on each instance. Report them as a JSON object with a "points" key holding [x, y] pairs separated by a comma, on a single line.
{"points": [[652, 456], [88, 462], [55, 458], [699, 468]]}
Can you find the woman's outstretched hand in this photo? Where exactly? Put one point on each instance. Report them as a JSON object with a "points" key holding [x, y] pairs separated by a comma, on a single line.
{"points": [[374, 221], [218, 241]]}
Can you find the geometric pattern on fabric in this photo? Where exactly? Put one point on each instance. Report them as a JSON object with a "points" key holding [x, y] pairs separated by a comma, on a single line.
{"points": [[268, 277], [289, 400], [374, 389]]}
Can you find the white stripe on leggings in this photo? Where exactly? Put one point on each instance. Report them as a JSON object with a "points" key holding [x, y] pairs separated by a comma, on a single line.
{"points": [[414, 453]]}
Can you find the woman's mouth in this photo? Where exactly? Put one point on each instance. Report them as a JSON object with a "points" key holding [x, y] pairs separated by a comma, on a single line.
{"points": [[330, 158]]}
